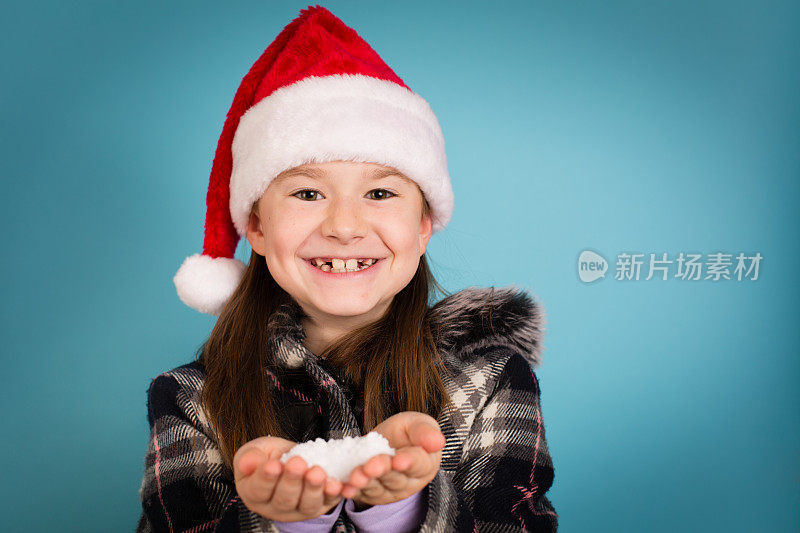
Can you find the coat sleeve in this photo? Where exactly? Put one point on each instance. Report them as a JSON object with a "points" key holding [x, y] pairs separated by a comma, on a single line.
{"points": [[186, 485], [505, 468]]}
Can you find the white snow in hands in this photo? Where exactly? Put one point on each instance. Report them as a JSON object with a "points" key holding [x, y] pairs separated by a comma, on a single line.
{"points": [[338, 457]]}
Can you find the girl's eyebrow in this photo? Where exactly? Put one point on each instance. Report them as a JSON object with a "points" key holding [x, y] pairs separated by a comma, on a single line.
{"points": [[317, 174], [309, 172], [383, 173]]}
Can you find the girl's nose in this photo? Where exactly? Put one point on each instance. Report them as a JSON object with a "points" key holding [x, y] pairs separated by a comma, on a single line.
{"points": [[345, 220]]}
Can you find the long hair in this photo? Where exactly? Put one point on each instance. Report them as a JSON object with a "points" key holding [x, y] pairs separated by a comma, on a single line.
{"points": [[394, 359]]}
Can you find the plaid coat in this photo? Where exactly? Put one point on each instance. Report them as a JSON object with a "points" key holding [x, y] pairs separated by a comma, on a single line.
{"points": [[495, 467]]}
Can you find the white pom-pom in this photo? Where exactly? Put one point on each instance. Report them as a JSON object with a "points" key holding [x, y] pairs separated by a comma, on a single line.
{"points": [[206, 284]]}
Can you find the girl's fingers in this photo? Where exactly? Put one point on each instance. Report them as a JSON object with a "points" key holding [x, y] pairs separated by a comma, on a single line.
{"points": [[386, 472], [249, 461], [402, 462], [290, 485], [394, 481], [378, 465], [423, 434], [374, 468], [390, 473], [312, 496], [332, 491], [349, 491], [373, 489], [251, 455], [412, 461], [333, 487], [261, 484]]}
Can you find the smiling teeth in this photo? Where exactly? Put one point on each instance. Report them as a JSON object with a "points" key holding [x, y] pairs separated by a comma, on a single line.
{"points": [[343, 265]]}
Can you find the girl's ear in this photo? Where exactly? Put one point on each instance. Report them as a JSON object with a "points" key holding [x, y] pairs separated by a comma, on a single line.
{"points": [[424, 233], [254, 233]]}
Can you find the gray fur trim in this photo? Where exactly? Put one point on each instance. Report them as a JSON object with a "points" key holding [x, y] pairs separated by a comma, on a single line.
{"points": [[505, 315]]}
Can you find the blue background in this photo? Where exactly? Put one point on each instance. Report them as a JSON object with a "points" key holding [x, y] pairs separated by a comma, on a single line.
{"points": [[615, 126]]}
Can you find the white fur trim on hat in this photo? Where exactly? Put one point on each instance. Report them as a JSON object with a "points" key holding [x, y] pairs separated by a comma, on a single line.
{"points": [[206, 284], [339, 117]]}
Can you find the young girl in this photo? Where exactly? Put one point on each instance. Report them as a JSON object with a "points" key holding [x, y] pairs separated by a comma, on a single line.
{"points": [[335, 172]]}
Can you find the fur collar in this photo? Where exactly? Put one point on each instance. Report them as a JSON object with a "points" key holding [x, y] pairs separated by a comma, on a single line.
{"points": [[468, 318], [496, 315]]}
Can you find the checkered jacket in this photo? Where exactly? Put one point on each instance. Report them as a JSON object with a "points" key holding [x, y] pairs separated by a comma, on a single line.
{"points": [[495, 467]]}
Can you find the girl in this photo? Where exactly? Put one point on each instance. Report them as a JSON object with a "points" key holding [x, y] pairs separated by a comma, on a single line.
{"points": [[335, 172]]}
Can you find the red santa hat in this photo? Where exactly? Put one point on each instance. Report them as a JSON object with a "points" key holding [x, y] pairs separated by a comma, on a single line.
{"points": [[318, 93]]}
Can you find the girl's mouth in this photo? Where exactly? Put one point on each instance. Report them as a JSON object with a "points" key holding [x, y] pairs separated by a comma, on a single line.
{"points": [[342, 268]]}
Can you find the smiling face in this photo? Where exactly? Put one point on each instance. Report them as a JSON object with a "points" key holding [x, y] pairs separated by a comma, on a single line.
{"points": [[342, 210]]}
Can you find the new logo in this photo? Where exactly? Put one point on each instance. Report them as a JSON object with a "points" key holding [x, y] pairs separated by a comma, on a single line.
{"points": [[591, 266]]}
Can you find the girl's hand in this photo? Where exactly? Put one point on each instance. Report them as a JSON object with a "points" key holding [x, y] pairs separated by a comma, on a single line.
{"points": [[287, 493], [418, 444]]}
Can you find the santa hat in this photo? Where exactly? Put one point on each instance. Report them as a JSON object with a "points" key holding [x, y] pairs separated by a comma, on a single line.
{"points": [[318, 93]]}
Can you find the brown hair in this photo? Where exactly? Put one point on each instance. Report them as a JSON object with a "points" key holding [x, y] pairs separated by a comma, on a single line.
{"points": [[394, 359]]}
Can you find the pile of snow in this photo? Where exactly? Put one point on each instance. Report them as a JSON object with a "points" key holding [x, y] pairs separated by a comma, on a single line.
{"points": [[338, 457]]}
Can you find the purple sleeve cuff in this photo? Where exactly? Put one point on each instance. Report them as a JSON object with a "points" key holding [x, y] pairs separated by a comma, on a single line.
{"points": [[320, 524], [402, 516]]}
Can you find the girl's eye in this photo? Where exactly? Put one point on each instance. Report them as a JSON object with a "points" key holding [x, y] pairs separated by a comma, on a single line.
{"points": [[383, 193], [307, 194]]}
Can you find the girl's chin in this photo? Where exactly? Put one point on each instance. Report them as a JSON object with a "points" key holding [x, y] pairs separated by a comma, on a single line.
{"points": [[360, 314], [337, 304]]}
